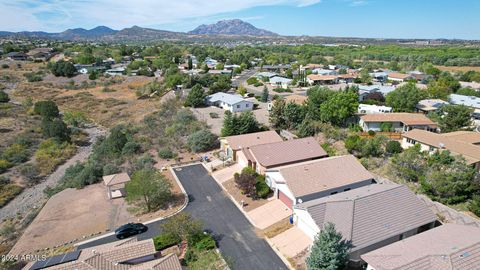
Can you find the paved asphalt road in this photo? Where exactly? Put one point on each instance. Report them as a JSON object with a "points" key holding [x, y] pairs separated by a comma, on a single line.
{"points": [[236, 235]]}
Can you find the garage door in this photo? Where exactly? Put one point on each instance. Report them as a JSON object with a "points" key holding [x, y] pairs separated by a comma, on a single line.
{"points": [[287, 201]]}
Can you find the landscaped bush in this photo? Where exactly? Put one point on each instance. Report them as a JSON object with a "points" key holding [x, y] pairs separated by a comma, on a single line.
{"points": [[474, 205], [261, 187], [51, 153], [166, 240], [252, 80], [166, 153], [258, 84], [282, 90], [393, 147], [201, 241]]}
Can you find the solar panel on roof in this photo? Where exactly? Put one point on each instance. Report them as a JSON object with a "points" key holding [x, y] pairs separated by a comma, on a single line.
{"points": [[55, 260]]}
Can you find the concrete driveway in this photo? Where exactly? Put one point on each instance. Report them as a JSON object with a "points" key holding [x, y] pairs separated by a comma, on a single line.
{"points": [[291, 242], [269, 214], [225, 174]]}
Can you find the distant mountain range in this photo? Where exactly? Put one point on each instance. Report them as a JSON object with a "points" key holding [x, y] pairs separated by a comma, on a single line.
{"points": [[231, 27], [227, 27], [226, 32]]}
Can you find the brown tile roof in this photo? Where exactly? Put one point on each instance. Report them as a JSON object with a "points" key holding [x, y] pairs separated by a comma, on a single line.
{"points": [[323, 174], [448, 247], [286, 152], [466, 136], [451, 142], [109, 256], [169, 262], [409, 119], [115, 179], [316, 77], [370, 214], [297, 99], [246, 140], [399, 75]]}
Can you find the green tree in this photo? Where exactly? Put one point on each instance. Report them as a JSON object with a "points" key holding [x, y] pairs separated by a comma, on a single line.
{"points": [[190, 63], [276, 114], [181, 225], [246, 181], [410, 164], [405, 98], [196, 97], [339, 107], [329, 250], [474, 205], [47, 109], [93, 75], [293, 115], [149, 188], [443, 86], [239, 124], [454, 117], [4, 97], [264, 97], [202, 140]]}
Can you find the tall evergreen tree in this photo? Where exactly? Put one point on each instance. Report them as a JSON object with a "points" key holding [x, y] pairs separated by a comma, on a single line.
{"points": [[329, 251], [264, 94]]}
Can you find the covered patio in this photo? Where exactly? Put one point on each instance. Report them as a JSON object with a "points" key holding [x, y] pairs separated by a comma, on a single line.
{"points": [[115, 184]]}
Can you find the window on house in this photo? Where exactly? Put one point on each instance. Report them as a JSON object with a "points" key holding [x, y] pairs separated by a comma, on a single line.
{"points": [[238, 106], [246, 105]]}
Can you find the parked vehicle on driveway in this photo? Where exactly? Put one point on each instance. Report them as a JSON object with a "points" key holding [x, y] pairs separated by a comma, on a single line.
{"points": [[130, 229]]}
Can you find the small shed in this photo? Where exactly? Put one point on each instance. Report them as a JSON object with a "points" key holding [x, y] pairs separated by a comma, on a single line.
{"points": [[115, 184]]}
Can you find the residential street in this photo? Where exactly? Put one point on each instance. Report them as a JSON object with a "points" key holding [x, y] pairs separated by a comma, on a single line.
{"points": [[236, 235]]}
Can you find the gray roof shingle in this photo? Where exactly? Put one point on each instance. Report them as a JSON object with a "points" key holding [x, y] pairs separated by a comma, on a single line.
{"points": [[370, 214]]}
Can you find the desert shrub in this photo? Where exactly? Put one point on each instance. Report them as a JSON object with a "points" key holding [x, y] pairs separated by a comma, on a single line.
{"points": [[47, 109], [8, 192], [130, 148], [5, 66], [56, 129], [213, 115], [15, 153], [166, 240], [4, 97], [4, 180], [30, 172], [51, 153], [4, 165], [109, 169], [202, 140], [166, 153], [34, 76]]}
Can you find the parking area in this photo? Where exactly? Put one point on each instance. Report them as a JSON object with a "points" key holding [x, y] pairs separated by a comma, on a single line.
{"points": [[268, 214], [283, 242], [237, 238]]}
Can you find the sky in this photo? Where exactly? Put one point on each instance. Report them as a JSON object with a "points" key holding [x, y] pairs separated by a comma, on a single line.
{"points": [[340, 18]]}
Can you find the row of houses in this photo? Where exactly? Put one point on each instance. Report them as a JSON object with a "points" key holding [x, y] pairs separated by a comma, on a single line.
{"points": [[375, 218], [37, 54]]}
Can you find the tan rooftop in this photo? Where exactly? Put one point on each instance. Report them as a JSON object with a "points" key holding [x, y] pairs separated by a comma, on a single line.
{"points": [[448, 247], [316, 77], [430, 104], [323, 174], [285, 152], [399, 75], [246, 140], [466, 136], [409, 119], [370, 214], [447, 141], [115, 179], [297, 99]]}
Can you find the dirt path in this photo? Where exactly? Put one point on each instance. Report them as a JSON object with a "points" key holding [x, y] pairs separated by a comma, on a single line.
{"points": [[33, 197]]}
